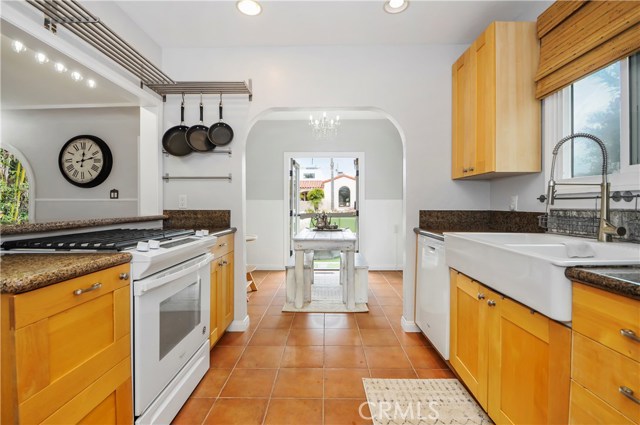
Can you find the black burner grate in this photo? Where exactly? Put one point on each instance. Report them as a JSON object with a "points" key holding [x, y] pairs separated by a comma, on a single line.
{"points": [[108, 240]]}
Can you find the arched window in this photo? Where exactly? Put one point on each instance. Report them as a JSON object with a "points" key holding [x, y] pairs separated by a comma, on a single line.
{"points": [[14, 189], [344, 197]]}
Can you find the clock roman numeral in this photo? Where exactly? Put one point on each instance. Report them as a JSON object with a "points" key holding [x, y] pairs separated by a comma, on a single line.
{"points": [[95, 152], [97, 160], [94, 167], [90, 175], [68, 160], [82, 175], [76, 147], [83, 145], [75, 173], [69, 167]]}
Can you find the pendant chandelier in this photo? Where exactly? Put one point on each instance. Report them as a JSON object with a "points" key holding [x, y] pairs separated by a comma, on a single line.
{"points": [[324, 128]]}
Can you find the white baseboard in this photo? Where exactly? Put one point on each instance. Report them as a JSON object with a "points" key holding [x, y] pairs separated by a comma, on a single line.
{"points": [[239, 325], [408, 326], [386, 268], [269, 267]]}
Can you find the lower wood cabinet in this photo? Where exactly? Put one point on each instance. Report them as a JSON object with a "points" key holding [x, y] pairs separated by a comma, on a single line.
{"points": [[222, 284], [515, 361], [66, 353]]}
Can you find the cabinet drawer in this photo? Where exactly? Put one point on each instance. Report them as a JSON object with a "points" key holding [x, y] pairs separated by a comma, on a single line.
{"points": [[603, 371], [36, 305], [602, 316], [224, 245], [587, 409]]}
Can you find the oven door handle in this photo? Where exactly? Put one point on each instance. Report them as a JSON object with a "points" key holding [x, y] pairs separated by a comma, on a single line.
{"points": [[147, 285]]}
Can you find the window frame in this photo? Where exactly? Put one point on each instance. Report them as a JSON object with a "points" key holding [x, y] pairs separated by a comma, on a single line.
{"points": [[558, 124]]}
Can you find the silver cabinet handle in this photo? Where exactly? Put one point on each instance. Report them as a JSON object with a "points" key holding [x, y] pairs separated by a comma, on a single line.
{"points": [[491, 303], [124, 276], [628, 393], [93, 287], [630, 334], [222, 244], [480, 296]]}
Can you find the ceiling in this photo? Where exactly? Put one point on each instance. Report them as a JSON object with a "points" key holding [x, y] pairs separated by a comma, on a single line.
{"points": [[217, 23]]}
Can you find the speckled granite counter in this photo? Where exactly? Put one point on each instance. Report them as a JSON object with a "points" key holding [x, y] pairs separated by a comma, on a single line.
{"points": [[439, 221], [624, 280], [197, 219], [73, 224], [26, 272]]}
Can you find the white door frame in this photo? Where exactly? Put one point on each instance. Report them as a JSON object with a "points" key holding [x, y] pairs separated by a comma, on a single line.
{"points": [[361, 189]]}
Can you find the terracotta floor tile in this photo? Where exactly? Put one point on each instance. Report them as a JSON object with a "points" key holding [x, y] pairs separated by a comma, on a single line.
{"points": [[372, 301], [194, 411], [424, 358], [294, 412], [261, 357], [237, 411], [372, 322], [303, 356], [342, 337], [344, 357], [394, 300], [249, 383], [378, 337], [392, 309], [346, 412], [273, 337], [339, 321], [224, 357], [412, 338], [256, 309], [276, 310], [278, 300], [306, 337], [234, 338], [211, 383], [435, 374], [260, 299], [385, 291], [276, 322], [298, 383], [386, 358], [393, 374], [374, 310], [308, 321], [344, 383]]}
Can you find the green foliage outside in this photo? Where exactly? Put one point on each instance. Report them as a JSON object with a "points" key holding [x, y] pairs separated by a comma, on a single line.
{"points": [[315, 196], [14, 190]]}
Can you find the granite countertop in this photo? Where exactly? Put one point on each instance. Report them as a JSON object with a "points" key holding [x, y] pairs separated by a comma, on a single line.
{"points": [[622, 280], [16, 229], [26, 272]]}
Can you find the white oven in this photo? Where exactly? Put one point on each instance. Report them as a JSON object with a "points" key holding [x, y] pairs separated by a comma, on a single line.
{"points": [[170, 337]]}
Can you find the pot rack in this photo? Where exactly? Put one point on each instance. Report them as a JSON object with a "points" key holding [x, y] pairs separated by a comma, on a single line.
{"points": [[89, 28]]}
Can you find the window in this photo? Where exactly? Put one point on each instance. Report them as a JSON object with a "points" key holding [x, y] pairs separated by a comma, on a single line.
{"points": [[14, 190], [604, 104], [344, 197]]}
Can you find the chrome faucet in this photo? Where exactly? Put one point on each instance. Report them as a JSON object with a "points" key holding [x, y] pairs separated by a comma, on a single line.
{"points": [[605, 228]]}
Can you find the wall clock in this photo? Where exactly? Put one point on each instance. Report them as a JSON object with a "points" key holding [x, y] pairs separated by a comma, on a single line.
{"points": [[85, 161]]}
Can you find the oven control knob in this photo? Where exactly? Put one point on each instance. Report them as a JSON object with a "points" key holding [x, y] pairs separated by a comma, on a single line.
{"points": [[205, 232], [153, 244], [142, 247], [199, 233]]}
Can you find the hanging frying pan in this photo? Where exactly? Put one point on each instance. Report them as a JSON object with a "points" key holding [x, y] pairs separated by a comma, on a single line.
{"points": [[174, 140], [220, 133], [197, 134]]}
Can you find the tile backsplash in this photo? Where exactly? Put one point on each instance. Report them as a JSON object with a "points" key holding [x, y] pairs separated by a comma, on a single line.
{"points": [[580, 222]]}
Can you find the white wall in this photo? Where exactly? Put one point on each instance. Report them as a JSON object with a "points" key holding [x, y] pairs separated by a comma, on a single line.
{"points": [[40, 134], [411, 84], [381, 209]]}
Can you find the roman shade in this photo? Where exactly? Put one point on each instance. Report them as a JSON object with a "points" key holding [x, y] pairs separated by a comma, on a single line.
{"points": [[579, 37]]}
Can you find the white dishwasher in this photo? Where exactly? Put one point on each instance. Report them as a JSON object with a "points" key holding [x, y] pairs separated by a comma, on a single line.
{"points": [[432, 291]]}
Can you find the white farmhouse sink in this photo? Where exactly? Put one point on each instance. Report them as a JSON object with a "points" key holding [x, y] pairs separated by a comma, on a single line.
{"points": [[529, 267]]}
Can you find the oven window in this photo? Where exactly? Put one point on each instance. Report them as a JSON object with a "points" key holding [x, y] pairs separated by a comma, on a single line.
{"points": [[179, 315]]}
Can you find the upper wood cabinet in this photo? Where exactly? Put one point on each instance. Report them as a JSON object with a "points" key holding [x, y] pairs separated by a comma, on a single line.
{"points": [[496, 117], [66, 352]]}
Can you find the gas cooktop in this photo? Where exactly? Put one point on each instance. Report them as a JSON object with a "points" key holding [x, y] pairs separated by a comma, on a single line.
{"points": [[107, 240]]}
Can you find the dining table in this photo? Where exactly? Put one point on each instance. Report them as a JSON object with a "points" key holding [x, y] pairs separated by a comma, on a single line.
{"points": [[311, 240]]}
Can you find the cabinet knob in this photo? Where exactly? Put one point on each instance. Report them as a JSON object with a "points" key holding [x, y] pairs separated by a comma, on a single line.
{"points": [[491, 303], [124, 276], [471, 169], [629, 334], [465, 170], [480, 296]]}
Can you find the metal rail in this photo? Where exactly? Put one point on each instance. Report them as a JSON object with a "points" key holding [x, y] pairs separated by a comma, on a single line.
{"points": [[167, 177], [79, 21], [203, 87]]}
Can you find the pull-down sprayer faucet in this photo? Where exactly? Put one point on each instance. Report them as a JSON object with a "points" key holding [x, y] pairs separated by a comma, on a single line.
{"points": [[605, 228]]}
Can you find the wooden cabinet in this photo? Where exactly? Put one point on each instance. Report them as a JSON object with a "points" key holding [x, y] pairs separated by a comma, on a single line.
{"points": [[605, 357], [222, 286], [496, 124], [66, 352], [514, 360]]}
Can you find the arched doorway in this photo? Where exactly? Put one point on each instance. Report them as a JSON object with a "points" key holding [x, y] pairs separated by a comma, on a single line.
{"points": [[17, 187]]}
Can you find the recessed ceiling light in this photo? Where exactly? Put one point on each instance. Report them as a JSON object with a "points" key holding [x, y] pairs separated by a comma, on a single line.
{"points": [[76, 76], [41, 58], [249, 7], [396, 6], [18, 47], [59, 66], [91, 84]]}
